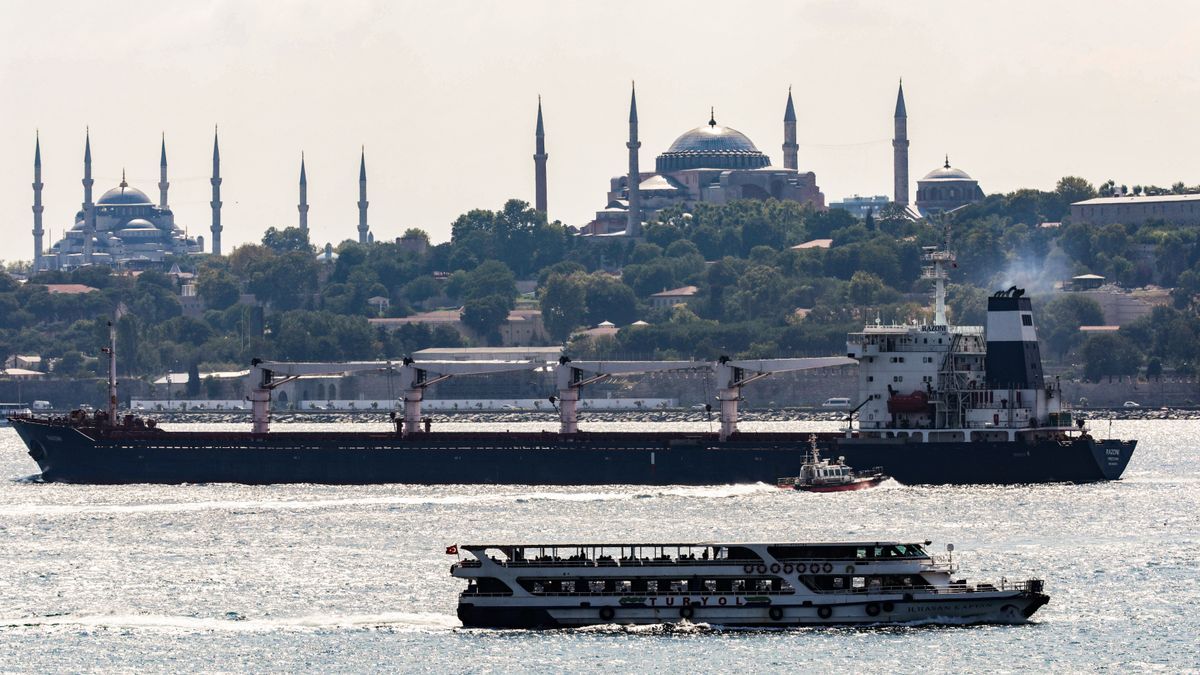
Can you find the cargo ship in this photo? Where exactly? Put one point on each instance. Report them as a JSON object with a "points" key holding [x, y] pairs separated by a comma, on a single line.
{"points": [[936, 404]]}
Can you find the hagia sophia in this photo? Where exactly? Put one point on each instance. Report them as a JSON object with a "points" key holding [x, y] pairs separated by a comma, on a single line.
{"points": [[711, 163]]}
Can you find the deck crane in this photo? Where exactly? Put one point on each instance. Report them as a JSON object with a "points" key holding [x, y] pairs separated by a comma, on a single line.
{"points": [[572, 376], [416, 376], [267, 375], [733, 375]]}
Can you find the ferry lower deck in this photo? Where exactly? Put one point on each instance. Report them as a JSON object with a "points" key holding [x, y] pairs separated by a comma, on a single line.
{"points": [[92, 455]]}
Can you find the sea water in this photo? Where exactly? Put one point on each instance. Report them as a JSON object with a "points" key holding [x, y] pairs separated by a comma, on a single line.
{"points": [[220, 577]]}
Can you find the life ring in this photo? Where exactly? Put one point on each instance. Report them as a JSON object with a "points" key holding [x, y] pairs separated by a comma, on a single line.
{"points": [[801, 568], [747, 568], [828, 568], [788, 569], [872, 609], [849, 569], [824, 611], [761, 569], [776, 613], [775, 567], [889, 606], [607, 613], [686, 612]]}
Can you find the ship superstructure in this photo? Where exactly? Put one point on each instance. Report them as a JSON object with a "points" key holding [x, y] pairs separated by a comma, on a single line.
{"points": [[934, 382]]}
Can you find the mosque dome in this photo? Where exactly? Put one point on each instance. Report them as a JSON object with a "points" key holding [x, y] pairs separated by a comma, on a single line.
{"points": [[712, 146], [712, 138], [124, 195], [945, 172]]}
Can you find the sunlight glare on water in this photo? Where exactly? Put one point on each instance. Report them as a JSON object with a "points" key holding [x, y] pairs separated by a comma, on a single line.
{"points": [[291, 577]]}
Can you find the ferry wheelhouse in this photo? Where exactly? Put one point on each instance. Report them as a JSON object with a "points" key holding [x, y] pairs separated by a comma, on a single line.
{"points": [[727, 584]]}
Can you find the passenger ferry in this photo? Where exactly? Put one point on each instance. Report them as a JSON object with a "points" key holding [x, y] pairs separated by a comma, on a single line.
{"points": [[734, 584]]}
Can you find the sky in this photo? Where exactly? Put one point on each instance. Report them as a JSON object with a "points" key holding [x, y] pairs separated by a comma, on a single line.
{"points": [[443, 97]]}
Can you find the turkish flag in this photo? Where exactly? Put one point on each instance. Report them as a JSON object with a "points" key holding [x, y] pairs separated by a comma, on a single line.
{"points": [[452, 549]]}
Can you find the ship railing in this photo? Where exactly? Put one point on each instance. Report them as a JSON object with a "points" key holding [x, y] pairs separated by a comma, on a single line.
{"points": [[836, 563], [1028, 586]]}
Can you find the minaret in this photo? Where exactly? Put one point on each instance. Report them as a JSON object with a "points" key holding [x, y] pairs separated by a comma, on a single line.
{"points": [[216, 196], [303, 197], [89, 209], [539, 163], [789, 135], [37, 202], [900, 150], [634, 227], [363, 228], [162, 176]]}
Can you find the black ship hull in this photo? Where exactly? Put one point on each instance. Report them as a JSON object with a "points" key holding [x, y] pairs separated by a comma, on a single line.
{"points": [[68, 453]]}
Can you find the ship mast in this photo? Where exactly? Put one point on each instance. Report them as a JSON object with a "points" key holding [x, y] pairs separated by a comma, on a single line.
{"points": [[936, 271], [111, 350]]}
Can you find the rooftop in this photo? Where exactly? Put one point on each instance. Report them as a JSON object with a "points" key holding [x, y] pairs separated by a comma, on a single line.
{"points": [[70, 289], [681, 292], [814, 243], [1137, 199]]}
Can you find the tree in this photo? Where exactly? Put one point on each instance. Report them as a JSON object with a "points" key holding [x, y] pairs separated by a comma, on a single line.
{"points": [[564, 305], [609, 300], [193, 382], [287, 240], [1111, 355], [486, 314], [219, 288], [1060, 319]]}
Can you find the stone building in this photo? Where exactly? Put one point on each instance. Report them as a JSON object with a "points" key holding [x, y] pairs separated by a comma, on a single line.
{"points": [[123, 228], [1172, 209], [946, 189], [711, 163]]}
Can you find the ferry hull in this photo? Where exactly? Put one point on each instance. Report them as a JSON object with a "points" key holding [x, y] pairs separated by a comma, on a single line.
{"points": [[961, 609], [68, 454]]}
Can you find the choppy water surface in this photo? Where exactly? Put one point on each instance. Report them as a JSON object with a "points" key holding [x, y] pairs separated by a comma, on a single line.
{"points": [[230, 577]]}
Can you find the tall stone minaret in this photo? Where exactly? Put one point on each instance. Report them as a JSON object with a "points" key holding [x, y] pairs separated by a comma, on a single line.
{"points": [[303, 206], [162, 176], [789, 135], [900, 150], [37, 203], [634, 227], [363, 228], [89, 209], [539, 163], [216, 196]]}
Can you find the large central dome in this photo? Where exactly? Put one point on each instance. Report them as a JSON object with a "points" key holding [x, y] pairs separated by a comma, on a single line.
{"points": [[124, 195], [712, 146]]}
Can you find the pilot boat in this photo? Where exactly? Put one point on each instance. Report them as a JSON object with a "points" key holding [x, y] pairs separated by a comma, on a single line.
{"points": [[821, 475], [757, 585]]}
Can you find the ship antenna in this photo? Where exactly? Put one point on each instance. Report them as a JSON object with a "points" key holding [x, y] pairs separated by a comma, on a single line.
{"points": [[935, 270]]}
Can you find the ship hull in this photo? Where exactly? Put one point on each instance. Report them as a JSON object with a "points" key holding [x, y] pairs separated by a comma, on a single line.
{"points": [[85, 455], [964, 609]]}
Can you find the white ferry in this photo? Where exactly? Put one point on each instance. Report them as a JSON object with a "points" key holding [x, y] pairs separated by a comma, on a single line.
{"points": [[735, 585]]}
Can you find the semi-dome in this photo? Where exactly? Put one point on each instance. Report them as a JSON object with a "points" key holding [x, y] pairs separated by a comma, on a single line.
{"points": [[124, 195], [712, 146]]}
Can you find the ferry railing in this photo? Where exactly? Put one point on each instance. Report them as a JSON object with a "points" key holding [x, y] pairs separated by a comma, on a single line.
{"points": [[1028, 586], [838, 564]]}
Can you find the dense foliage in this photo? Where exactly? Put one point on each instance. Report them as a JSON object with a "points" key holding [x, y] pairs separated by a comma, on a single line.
{"points": [[756, 294]]}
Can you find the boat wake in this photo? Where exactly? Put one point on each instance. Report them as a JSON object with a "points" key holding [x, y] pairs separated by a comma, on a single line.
{"points": [[234, 622], [709, 492]]}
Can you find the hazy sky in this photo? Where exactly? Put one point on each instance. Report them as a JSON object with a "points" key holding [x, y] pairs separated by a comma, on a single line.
{"points": [[443, 96]]}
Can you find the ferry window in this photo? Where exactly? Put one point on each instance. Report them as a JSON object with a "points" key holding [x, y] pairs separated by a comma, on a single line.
{"points": [[870, 378], [837, 582], [861, 554], [858, 582], [1027, 319]]}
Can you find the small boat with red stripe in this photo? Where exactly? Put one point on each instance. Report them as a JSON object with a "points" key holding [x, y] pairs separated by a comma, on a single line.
{"points": [[822, 475]]}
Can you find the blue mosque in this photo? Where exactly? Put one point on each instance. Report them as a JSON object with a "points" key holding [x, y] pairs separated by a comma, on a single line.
{"points": [[124, 228]]}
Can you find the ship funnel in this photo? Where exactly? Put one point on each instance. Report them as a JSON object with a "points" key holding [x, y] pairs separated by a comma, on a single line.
{"points": [[1013, 358]]}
